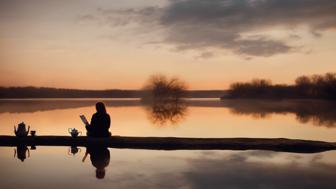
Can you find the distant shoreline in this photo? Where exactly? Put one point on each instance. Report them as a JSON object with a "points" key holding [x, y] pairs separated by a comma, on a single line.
{"points": [[46, 92]]}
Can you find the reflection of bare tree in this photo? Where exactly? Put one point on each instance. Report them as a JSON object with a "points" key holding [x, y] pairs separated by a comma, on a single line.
{"points": [[163, 100], [318, 116], [166, 112], [318, 112], [247, 111]]}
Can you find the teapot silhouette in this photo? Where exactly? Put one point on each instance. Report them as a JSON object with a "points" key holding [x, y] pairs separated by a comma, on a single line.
{"points": [[74, 132], [21, 152], [21, 131]]}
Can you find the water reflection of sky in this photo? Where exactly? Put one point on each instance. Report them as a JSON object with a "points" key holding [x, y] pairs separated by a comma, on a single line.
{"points": [[201, 118], [52, 167]]}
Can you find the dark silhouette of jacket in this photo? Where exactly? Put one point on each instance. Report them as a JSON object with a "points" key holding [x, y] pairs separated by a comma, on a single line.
{"points": [[100, 124]]}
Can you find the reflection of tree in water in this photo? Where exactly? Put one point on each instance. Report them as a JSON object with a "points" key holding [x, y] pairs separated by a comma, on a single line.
{"points": [[318, 112], [166, 112], [256, 115], [163, 100]]}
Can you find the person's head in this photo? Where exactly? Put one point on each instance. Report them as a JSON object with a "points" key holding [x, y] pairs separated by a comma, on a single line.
{"points": [[100, 107], [100, 159], [100, 173]]}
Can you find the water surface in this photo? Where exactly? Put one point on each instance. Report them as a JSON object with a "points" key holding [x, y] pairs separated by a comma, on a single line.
{"points": [[64, 167], [298, 119], [52, 167]]}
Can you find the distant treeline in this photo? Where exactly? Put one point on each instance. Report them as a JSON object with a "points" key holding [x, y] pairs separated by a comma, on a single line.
{"points": [[313, 87], [45, 92]]}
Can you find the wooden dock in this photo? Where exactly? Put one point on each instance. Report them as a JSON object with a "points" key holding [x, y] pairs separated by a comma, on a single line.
{"points": [[173, 143]]}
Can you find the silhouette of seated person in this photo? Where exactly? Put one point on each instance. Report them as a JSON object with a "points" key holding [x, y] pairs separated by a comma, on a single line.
{"points": [[100, 122], [100, 159]]}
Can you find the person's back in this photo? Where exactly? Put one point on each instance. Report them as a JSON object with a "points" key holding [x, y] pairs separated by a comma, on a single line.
{"points": [[100, 122]]}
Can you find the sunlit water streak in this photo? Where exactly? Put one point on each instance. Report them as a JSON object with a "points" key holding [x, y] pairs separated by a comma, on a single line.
{"points": [[200, 118]]}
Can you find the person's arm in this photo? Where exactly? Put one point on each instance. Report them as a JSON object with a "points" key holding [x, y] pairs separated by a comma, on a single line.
{"points": [[90, 126], [93, 118]]}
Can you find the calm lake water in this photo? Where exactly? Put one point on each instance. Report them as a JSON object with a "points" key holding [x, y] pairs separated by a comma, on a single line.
{"points": [[56, 167]]}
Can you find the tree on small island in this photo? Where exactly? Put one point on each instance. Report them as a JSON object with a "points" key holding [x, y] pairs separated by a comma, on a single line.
{"points": [[159, 87]]}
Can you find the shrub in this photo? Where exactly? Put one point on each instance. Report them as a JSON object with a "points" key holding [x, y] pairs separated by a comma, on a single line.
{"points": [[159, 87]]}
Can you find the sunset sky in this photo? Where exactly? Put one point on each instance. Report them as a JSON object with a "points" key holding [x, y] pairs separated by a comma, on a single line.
{"points": [[106, 44]]}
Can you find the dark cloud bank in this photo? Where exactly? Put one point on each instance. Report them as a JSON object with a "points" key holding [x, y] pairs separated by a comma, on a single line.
{"points": [[204, 24]]}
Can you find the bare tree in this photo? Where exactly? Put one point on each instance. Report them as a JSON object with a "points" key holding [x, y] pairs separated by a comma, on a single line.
{"points": [[159, 87]]}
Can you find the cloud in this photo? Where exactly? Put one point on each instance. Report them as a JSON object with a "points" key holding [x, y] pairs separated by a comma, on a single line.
{"points": [[123, 17], [223, 24], [87, 17], [206, 55]]}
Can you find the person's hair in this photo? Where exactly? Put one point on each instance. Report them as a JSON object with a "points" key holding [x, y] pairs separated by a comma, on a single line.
{"points": [[100, 173], [100, 107]]}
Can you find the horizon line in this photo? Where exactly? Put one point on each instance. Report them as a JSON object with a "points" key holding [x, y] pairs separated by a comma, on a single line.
{"points": [[106, 89]]}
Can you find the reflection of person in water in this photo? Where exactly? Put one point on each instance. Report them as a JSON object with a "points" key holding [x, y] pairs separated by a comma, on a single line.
{"points": [[21, 152], [100, 122], [100, 158]]}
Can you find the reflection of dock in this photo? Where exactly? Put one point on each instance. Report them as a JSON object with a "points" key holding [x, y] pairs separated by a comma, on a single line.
{"points": [[172, 143]]}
